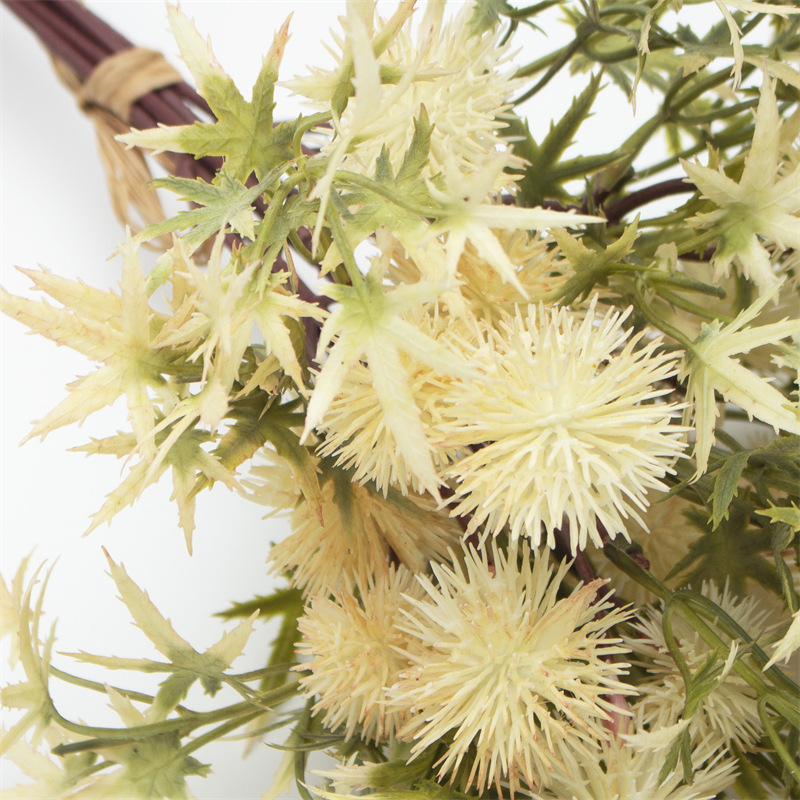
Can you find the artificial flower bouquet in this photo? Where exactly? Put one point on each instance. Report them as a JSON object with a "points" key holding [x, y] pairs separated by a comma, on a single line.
{"points": [[533, 419]]}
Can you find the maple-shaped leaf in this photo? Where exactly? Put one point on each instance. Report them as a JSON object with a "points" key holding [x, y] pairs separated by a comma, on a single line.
{"points": [[406, 192], [466, 212], [546, 171], [226, 201], [273, 310], [117, 330], [178, 448], [152, 765], [189, 665], [734, 550], [244, 133], [486, 14], [592, 262], [711, 365], [276, 424], [762, 208], [31, 695]]}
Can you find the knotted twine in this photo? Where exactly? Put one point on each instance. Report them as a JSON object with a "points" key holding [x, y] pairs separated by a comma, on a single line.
{"points": [[106, 97]]}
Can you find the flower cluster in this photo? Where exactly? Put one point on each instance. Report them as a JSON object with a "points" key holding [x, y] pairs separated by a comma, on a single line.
{"points": [[487, 658], [511, 406]]}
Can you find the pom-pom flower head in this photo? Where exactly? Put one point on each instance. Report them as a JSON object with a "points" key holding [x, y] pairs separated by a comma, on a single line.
{"points": [[564, 428], [502, 669], [464, 81], [355, 654], [354, 533]]}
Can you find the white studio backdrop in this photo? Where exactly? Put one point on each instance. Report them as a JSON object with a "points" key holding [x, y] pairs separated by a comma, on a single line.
{"points": [[55, 212]]}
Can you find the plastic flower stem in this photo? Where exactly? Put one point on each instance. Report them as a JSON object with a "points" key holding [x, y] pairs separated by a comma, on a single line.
{"points": [[309, 122], [522, 13], [733, 629], [122, 735], [624, 562], [674, 101], [562, 58], [345, 251], [221, 730], [684, 282], [720, 141], [692, 308], [669, 639], [776, 740], [784, 573], [301, 755], [85, 683], [276, 203], [713, 116], [643, 307], [616, 211]]}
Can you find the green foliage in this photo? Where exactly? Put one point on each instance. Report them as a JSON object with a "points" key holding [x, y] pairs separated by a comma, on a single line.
{"points": [[546, 171], [224, 202], [486, 14]]}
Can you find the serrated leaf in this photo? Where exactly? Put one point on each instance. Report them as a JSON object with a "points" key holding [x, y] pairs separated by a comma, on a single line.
{"points": [[726, 485], [486, 14], [540, 180], [404, 190], [244, 133], [278, 603], [732, 552], [224, 202], [254, 426], [788, 514], [85, 300], [781, 456], [147, 617]]}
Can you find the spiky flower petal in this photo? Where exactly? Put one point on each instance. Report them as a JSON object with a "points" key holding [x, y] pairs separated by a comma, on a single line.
{"points": [[353, 536], [502, 669], [564, 429], [355, 650]]}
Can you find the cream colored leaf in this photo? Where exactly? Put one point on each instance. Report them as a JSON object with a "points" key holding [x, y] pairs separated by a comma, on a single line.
{"points": [[147, 617]]}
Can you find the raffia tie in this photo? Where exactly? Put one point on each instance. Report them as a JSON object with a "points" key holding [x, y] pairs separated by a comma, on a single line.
{"points": [[119, 80], [106, 97]]}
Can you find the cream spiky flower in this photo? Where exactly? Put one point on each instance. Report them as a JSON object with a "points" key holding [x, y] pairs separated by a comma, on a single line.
{"points": [[353, 535], [711, 367], [504, 671], [464, 81], [625, 771], [369, 324], [730, 712], [565, 428], [356, 431], [763, 206], [539, 274], [355, 651]]}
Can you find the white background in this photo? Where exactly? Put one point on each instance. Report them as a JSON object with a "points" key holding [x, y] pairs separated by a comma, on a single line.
{"points": [[55, 212]]}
